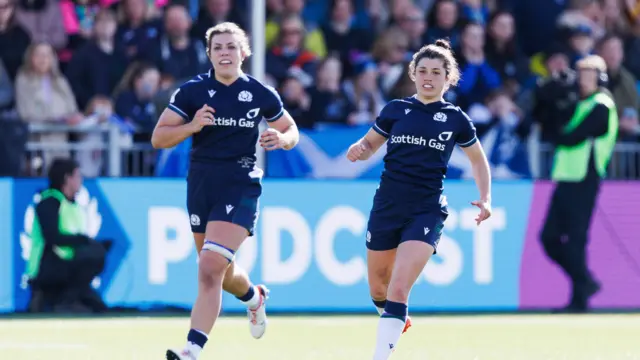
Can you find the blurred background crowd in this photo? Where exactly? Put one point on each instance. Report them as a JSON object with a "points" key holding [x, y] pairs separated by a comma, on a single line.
{"points": [[69, 67]]}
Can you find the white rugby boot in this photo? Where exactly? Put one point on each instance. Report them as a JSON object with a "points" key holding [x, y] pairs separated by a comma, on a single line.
{"points": [[180, 355], [258, 316]]}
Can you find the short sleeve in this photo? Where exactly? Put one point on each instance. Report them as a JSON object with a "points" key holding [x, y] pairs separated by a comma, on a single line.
{"points": [[180, 102], [467, 133], [384, 121], [274, 108]]}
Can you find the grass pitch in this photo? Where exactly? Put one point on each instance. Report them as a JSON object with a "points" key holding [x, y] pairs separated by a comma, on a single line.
{"points": [[482, 337]]}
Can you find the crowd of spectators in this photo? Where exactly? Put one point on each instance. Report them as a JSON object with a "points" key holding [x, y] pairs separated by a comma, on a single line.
{"points": [[78, 62]]}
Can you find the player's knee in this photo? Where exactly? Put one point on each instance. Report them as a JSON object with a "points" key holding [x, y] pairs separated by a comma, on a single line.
{"points": [[378, 291], [212, 267]]}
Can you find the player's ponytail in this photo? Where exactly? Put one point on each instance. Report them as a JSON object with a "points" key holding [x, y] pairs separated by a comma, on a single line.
{"points": [[441, 50], [443, 44]]}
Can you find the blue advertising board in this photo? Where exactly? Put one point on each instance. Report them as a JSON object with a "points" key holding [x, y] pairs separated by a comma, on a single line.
{"points": [[309, 246], [6, 247]]}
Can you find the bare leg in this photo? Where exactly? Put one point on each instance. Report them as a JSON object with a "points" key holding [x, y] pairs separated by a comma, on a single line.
{"points": [[413, 257]]}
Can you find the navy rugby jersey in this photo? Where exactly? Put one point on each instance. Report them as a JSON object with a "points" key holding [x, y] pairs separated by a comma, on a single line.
{"points": [[421, 138], [239, 108]]}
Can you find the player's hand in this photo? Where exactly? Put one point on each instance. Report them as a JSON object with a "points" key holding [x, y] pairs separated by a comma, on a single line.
{"points": [[485, 210], [355, 151], [271, 139], [204, 117]]}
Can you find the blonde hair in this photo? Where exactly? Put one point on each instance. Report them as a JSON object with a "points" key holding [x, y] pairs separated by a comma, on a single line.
{"points": [[26, 69], [233, 29], [593, 62]]}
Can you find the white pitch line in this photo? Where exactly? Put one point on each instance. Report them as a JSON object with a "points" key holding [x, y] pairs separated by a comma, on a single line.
{"points": [[43, 346]]}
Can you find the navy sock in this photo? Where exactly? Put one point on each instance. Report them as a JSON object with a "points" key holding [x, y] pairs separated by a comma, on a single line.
{"points": [[379, 303], [197, 338], [395, 310], [248, 296]]}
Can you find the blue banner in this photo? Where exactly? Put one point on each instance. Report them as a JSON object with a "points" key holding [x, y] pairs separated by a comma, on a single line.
{"points": [[6, 247], [309, 247], [321, 154]]}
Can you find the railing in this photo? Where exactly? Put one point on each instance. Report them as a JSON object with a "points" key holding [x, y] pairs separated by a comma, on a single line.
{"points": [[624, 165], [119, 156], [104, 139]]}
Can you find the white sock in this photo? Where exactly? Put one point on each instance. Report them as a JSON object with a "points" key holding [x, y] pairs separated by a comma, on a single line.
{"points": [[254, 302], [380, 310], [194, 349], [389, 331]]}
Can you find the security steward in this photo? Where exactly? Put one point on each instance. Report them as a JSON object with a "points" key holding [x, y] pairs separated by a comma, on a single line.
{"points": [[583, 150], [63, 260]]}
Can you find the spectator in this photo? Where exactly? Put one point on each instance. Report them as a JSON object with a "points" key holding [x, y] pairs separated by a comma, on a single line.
{"points": [[43, 95], [289, 51], [581, 43], [6, 89], [134, 99], [614, 20], [403, 87], [443, 22], [328, 101], [78, 18], [14, 39], [364, 96], [414, 24], [98, 111], [478, 77], [64, 260], [313, 39], [583, 14], [555, 94], [504, 54], [135, 30], [43, 21], [630, 128], [97, 67], [537, 22], [502, 128], [175, 53], [390, 53], [296, 101], [622, 83], [342, 37], [213, 12], [475, 11]]}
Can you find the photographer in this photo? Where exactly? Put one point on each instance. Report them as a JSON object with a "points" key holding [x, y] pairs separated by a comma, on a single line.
{"points": [[583, 150], [556, 94], [63, 260]]}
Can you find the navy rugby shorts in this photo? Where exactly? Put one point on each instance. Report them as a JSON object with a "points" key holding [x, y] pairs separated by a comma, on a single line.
{"points": [[393, 221], [223, 192]]}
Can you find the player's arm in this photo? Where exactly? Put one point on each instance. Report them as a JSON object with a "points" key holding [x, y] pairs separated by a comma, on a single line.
{"points": [[173, 127], [282, 133], [469, 143], [367, 146], [170, 130], [481, 169]]}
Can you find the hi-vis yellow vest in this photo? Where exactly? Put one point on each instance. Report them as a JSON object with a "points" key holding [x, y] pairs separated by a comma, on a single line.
{"points": [[71, 221], [571, 163]]}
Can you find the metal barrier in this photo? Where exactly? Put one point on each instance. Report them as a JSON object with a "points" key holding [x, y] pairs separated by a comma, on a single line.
{"points": [[104, 139], [624, 165], [120, 156]]}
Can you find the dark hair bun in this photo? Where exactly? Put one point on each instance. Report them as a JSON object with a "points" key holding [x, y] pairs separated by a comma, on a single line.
{"points": [[443, 44]]}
